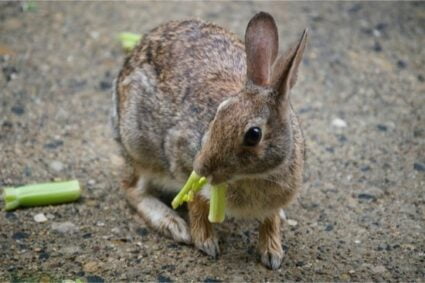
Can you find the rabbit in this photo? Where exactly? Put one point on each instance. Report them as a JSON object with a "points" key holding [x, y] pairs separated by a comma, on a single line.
{"points": [[193, 96]]}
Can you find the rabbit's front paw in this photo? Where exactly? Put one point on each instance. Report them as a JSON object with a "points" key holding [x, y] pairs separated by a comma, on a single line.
{"points": [[177, 229], [209, 246], [272, 259]]}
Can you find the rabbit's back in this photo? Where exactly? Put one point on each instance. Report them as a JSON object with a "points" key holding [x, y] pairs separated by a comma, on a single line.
{"points": [[169, 89]]}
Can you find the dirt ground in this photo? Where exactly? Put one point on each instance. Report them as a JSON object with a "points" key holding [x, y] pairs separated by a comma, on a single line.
{"points": [[361, 99]]}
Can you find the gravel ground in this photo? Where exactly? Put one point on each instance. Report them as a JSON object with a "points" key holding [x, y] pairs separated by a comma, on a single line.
{"points": [[360, 96]]}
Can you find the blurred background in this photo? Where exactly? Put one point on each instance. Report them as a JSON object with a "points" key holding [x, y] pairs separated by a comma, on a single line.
{"points": [[360, 97]]}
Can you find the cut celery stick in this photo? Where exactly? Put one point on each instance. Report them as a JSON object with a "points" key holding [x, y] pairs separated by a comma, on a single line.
{"points": [[217, 203], [41, 194], [193, 185], [218, 196], [129, 40]]}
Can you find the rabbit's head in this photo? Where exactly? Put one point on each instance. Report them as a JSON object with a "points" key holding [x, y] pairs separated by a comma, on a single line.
{"points": [[251, 133]]}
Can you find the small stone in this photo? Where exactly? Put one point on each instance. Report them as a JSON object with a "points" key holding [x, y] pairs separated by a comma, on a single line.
{"points": [[292, 222], [419, 166], [50, 216], [352, 271], [91, 182], [40, 218], [379, 269], [100, 223], [87, 235], [18, 110], [43, 256], [401, 64], [342, 138], [339, 123], [382, 128], [95, 279], [355, 8], [211, 280], [377, 47], [142, 231], [105, 85], [357, 241], [116, 230], [20, 236], [56, 166], [65, 227], [91, 266], [163, 279], [366, 197], [53, 144], [10, 73], [70, 250], [365, 168], [329, 227]]}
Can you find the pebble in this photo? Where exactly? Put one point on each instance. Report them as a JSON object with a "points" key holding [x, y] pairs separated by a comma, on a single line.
{"points": [[163, 279], [20, 236], [95, 279], [18, 110], [91, 266], [379, 269], [292, 222], [116, 230], [382, 128], [91, 182], [40, 218], [50, 216], [65, 227], [105, 85], [211, 280], [56, 165], [357, 241], [339, 123], [142, 231], [419, 166], [70, 250]]}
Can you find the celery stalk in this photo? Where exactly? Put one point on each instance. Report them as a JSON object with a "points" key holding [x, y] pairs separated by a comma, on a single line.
{"points": [[193, 185], [217, 203], [218, 196], [129, 40], [41, 194]]}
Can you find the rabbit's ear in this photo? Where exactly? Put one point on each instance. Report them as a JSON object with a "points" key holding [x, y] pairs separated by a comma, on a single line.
{"points": [[261, 43], [285, 69]]}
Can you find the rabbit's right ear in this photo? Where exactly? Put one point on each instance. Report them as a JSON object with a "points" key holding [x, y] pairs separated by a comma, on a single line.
{"points": [[261, 44]]}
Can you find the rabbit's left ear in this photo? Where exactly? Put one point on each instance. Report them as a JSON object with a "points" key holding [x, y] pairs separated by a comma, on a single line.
{"points": [[285, 69], [261, 44]]}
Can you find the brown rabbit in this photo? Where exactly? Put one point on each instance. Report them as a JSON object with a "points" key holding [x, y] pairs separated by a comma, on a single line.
{"points": [[192, 96]]}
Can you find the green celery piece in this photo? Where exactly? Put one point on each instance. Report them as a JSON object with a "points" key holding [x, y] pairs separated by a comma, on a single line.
{"points": [[41, 194], [217, 203], [193, 185], [129, 40]]}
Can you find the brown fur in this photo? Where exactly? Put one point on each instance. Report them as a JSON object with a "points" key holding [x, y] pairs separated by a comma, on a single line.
{"points": [[201, 229], [184, 100], [269, 247]]}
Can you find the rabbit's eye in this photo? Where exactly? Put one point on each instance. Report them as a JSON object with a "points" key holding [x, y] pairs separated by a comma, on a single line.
{"points": [[252, 136]]}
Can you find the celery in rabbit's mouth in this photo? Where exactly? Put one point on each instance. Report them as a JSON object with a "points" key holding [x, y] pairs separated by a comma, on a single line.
{"points": [[217, 201]]}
